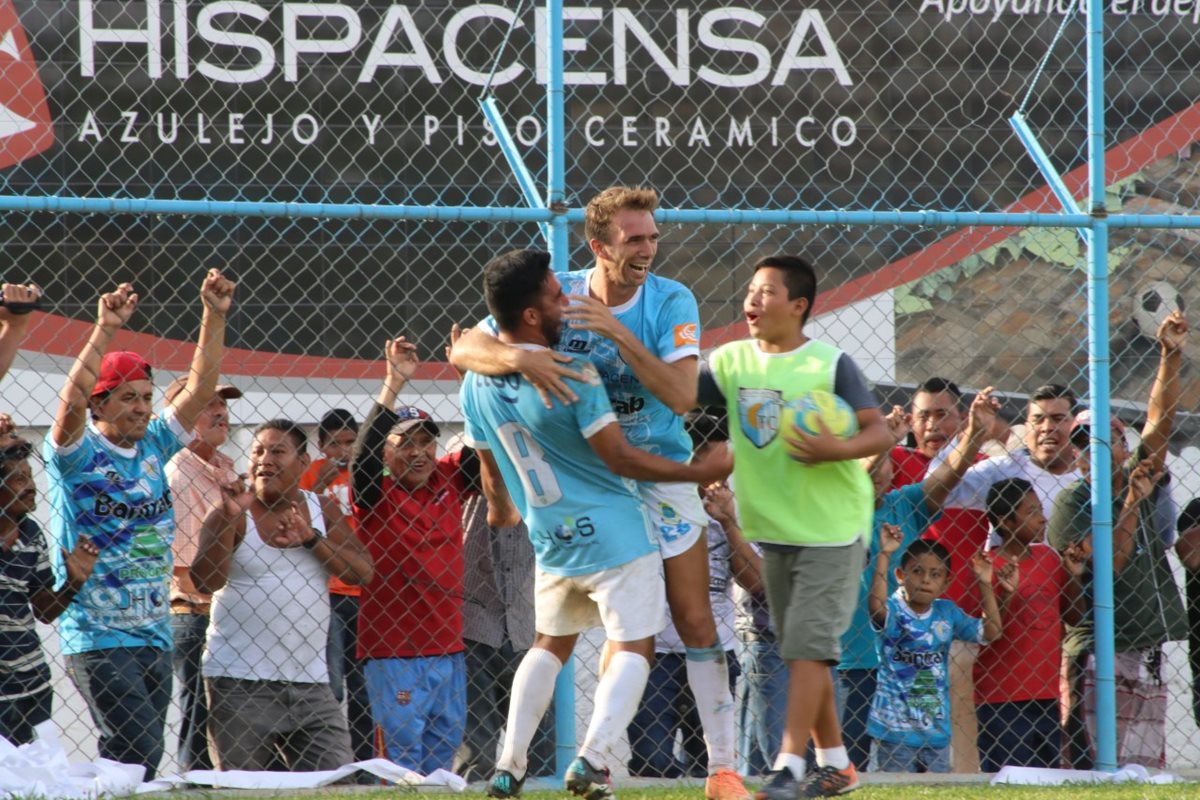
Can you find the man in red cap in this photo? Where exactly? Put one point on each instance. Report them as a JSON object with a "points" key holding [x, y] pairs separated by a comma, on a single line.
{"points": [[108, 483], [196, 475]]}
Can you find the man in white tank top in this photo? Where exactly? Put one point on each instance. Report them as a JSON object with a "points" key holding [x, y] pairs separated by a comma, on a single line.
{"points": [[266, 555]]}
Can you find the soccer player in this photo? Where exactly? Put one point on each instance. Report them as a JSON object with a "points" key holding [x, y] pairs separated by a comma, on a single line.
{"points": [[642, 333], [806, 499], [597, 561]]}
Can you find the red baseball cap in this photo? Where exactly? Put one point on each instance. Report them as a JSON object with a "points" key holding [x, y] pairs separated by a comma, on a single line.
{"points": [[121, 367]]}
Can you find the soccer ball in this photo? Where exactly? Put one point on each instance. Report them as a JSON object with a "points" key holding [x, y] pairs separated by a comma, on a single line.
{"points": [[1152, 303], [804, 412]]}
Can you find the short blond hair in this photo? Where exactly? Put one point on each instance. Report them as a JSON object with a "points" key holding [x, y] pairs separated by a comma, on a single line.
{"points": [[603, 207]]}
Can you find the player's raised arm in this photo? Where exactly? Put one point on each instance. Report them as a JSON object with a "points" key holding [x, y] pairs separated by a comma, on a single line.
{"points": [[480, 352]]}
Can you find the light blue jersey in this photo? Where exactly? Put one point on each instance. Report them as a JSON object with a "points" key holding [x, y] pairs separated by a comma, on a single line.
{"points": [[119, 498], [663, 315], [912, 694], [581, 518]]}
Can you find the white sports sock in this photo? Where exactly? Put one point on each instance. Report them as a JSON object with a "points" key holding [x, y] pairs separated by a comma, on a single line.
{"points": [[836, 757], [792, 762], [616, 702], [708, 675], [532, 690]]}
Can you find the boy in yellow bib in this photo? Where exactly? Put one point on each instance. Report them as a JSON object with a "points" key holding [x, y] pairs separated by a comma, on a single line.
{"points": [[805, 499]]}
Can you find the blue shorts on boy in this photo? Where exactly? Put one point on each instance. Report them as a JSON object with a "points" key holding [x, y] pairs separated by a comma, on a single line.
{"points": [[912, 696]]}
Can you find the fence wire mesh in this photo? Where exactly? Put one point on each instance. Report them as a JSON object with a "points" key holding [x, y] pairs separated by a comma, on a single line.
{"points": [[854, 105]]}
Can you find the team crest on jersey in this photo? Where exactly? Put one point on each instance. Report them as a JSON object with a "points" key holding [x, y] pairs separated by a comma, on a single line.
{"points": [[150, 468], [758, 413]]}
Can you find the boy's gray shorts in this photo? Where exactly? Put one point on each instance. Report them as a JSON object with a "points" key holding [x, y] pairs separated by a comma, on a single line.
{"points": [[812, 592]]}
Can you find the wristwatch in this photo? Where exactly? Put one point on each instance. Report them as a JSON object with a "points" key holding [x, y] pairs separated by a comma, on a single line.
{"points": [[312, 543]]}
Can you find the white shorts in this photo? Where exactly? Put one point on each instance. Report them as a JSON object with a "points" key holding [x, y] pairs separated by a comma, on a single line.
{"points": [[629, 601], [677, 517]]}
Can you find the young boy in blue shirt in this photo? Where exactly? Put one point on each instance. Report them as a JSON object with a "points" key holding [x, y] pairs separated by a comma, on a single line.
{"points": [[911, 509], [910, 714]]}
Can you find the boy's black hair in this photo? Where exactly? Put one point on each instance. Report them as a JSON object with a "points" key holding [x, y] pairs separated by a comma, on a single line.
{"points": [[512, 282], [922, 547], [1003, 497], [705, 428], [337, 419], [798, 276], [293, 431], [937, 385]]}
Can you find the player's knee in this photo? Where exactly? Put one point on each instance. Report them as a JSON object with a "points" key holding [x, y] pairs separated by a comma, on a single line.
{"points": [[696, 627]]}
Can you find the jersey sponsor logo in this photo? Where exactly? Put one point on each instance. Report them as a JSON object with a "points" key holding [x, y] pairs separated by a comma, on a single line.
{"points": [[575, 345], [758, 414], [628, 404], [25, 125], [108, 506], [918, 659], [687, 334]]}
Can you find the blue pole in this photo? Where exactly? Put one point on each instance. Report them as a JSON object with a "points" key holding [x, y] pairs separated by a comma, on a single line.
{"points": [[1098, 378], [689, 216], [1053, 179], [556, 195]]}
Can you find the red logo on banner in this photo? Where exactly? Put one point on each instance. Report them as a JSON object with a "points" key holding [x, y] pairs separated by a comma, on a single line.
{"points": [[25, 126]]}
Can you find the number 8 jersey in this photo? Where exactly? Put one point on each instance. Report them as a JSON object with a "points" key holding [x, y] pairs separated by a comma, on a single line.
{"points": [[581, 517]]}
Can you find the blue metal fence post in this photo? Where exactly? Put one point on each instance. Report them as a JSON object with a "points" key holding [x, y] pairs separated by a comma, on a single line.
{"points": [[556, 196], [1098, 379]]}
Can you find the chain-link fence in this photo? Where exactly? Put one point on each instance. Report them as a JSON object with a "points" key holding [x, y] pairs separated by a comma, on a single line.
{"points": [[365, 106]]}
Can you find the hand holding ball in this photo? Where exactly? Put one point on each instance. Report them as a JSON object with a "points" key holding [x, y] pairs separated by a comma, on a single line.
{"points": [[816, 414]]}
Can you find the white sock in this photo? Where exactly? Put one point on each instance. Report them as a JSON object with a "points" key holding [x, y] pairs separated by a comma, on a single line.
{"points": [[708, 676], [792, 762], [835, 757], [616, 702], [532, 690]]}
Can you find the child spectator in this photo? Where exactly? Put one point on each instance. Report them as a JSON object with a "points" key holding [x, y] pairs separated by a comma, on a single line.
{"points": [[27, 592], [1017, 676], [910, 715], [911, 508], [812, 560]]}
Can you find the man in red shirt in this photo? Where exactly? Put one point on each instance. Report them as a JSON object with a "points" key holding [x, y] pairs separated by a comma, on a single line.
{"points": [[937, 419], [410, 614]]}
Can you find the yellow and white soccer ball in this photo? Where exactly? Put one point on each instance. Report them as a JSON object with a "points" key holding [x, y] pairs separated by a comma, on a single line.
{"points": [[807, 412]]}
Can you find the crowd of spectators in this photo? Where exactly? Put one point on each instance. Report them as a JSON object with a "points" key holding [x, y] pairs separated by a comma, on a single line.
{"points": [[361, 598]]}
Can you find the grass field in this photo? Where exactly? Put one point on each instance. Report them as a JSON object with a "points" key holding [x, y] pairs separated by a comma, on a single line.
{"points": [[892, 791]]}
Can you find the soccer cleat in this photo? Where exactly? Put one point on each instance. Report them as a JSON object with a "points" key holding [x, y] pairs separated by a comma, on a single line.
{"points": [[781, 785], [504, 784], [830, 782], [584, 780], [725, 784]]}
